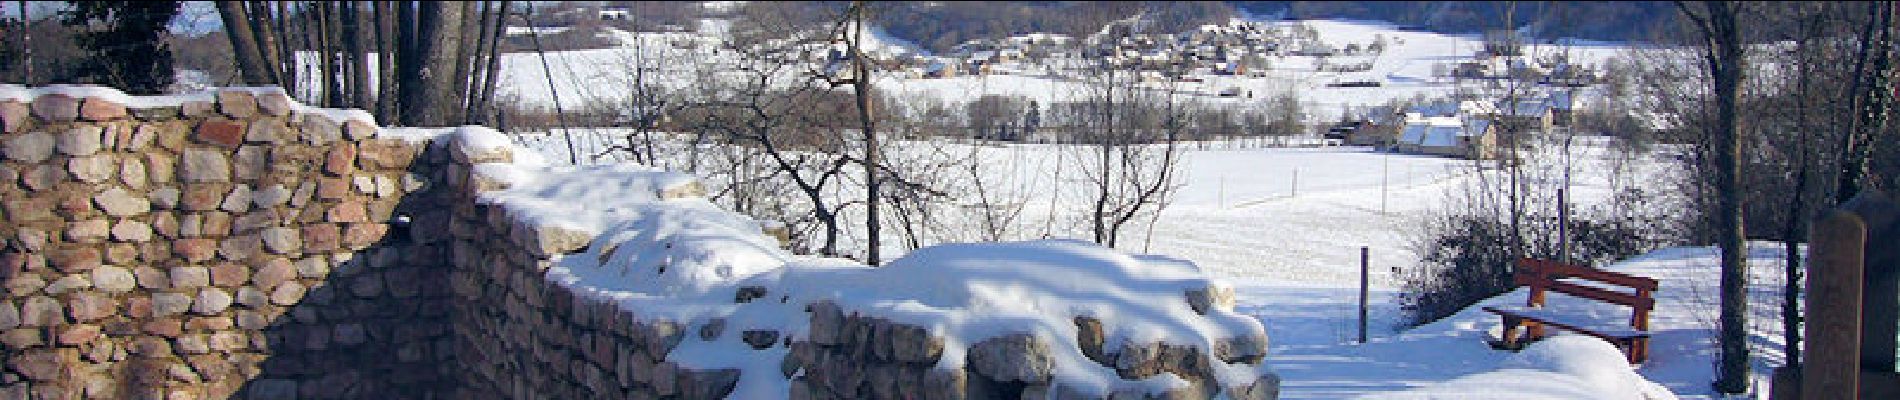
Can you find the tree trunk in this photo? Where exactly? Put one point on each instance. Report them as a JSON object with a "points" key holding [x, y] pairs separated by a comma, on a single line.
{"points": [[387, 64], [478, 64], [491, 73], [1865, 97], [441, 39], [1726, 63], [463, 50], [252, 67], [357, 54], [862, 83]]}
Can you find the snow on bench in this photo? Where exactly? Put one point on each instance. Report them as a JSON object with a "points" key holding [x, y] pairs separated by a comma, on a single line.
{"points": [[1543, 276]]}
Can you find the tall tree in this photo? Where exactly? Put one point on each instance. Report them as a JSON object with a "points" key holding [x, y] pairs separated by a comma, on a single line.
{"points": [[1871, 103], [426, 54], [1722, 55], [125, 41], [252, 68]]}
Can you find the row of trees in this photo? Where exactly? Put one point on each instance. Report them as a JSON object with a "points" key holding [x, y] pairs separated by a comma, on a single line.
{"points": [[421, 63]]}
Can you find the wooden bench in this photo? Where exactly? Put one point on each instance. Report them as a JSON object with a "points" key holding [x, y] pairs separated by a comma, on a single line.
{"points": [[1545, 276]]}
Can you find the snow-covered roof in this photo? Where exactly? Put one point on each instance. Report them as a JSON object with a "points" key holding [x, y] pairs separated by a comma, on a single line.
{"points": [[1440, 131]]}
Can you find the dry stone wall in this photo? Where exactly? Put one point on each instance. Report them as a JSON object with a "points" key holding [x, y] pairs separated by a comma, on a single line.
{"points": [[230, 245], [240, 245]]}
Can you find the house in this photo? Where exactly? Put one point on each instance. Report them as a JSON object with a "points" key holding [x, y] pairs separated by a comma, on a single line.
{"points": [[939, 69], [1470, 138], [615, 13], [1524, 115]]}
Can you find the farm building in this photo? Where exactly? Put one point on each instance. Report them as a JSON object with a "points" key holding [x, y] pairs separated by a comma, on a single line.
{"points": [[1449, 136]]}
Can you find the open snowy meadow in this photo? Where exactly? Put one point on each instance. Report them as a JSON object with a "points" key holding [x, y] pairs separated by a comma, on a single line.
{"points": [[1285, 227]]}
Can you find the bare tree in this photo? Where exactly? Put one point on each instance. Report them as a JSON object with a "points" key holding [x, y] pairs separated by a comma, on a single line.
{"points": [[1722, 54], [434, 62]]}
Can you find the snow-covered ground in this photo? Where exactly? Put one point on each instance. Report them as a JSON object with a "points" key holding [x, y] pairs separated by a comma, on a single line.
{"points": [[1284, 227], [1413, 63], [1294, 260]]}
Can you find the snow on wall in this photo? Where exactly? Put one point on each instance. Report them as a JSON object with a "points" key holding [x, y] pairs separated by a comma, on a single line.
{"points": [[1096, 321]]}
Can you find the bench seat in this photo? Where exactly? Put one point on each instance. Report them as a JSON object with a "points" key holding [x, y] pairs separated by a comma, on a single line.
{"points": [[1557, 319]]}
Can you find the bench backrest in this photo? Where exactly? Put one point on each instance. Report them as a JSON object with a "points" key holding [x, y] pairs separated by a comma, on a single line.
{"points": [[1546, 275]]}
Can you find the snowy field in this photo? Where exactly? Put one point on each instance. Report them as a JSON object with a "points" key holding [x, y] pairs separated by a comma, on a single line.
{"points": [[1412, 64], [1292, 254], [1284, 227]]}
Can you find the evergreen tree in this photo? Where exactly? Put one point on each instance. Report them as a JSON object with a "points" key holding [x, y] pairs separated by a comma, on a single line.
{"points": [[124, 41]]}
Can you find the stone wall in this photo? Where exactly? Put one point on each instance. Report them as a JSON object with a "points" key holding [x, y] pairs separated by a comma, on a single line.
{"points": [[519, 335], [241, 245], [199, 249]]}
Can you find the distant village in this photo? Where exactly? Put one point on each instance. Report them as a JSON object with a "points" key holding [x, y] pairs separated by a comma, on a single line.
{"points": [[1472, 126]]}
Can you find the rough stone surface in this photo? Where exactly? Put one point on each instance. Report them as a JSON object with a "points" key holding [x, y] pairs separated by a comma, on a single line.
{"points": [[41, 311], [190, 277], [91, 306], [238, 200], [88, 231], [1012, 358], [281, 240], [205, 165], [271, 196], [94, 169], [31, 147], [56, 108], [164, 198], [113, 279], [319, 130], [121, 203], [14, 116], [97, 109], [132, 173], [168, 304], [251, 162], [237, 104], [80, 140], [131, 230], [211, 301], [228, 134]]}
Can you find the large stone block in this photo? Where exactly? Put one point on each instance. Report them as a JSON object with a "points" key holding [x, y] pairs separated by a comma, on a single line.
{"points": [[132, 173], [168, 304], [98, 109], [41, 311], [211, 301], [195, 249], [228, 134], [31, 147], [1013, 358], [122, 203], [113, 279], [55, 107], [82, 140], [14, 116], [92, 169], [131, 230], [89, 231], [238, 200], [318, 130], [205, 165], [87, 306], [237, 104]]}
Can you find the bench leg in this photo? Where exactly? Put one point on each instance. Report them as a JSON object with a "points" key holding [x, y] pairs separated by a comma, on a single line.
{"points": [[1533, 330], [1510, 332], [1638, 350]]}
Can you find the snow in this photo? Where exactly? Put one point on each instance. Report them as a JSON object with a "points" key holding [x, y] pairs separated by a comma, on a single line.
{"points": [[681, 260], [13, 92], [1562, 367]]}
